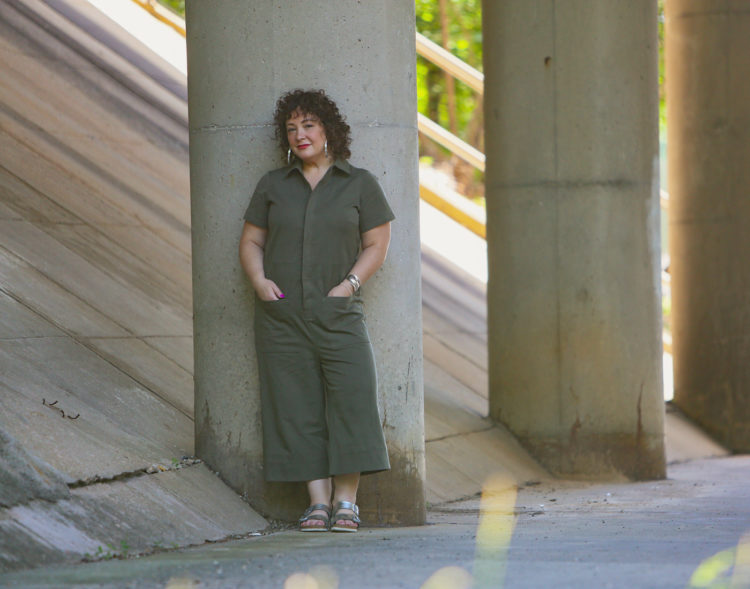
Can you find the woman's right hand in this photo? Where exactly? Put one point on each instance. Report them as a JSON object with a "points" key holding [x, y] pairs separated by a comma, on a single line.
{"points": [[252, 243], [267, 290]]}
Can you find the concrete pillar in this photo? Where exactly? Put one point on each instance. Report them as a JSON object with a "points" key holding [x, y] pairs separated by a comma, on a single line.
{"points": [[708, 89], [574, 312], [241, 57]]}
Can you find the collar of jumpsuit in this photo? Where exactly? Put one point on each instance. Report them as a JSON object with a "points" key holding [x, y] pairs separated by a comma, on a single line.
{"points": [[342, 165], [314, 236]]}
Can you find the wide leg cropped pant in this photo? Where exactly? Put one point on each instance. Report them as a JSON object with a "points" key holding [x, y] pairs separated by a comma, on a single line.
{"points": [[318, 390]]}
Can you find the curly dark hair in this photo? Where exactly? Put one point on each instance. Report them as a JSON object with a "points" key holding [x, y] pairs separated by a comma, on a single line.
{"points": [[313, 102]]}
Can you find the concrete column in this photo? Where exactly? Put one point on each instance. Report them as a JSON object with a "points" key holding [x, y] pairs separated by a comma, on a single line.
{"points": [[241, 57], [708, 89], [574, 312]]}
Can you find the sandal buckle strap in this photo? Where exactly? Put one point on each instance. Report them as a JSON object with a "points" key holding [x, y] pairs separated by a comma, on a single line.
{"points": [[347, 505], [317, 507], [345, 516]]}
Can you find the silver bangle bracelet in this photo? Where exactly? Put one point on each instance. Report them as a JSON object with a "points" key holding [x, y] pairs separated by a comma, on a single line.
{"points": [[354, 280]]}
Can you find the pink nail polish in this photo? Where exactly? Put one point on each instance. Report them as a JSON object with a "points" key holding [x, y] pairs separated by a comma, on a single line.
{"points": [[281, 296]]}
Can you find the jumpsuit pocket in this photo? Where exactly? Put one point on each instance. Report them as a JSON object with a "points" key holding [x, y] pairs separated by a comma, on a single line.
{"points": [[334, 306], [340, 299], [342, 318], [269, 304], [276, 308], [274, 325]]}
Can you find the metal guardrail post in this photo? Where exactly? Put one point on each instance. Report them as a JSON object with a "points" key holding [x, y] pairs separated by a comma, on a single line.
{"points": [[454, 210], [448, 140], [448, 62]]}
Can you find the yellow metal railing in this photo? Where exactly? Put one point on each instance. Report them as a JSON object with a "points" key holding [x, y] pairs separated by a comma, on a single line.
{"points": [[448, 62], [457, 146], [457, 208], [472, 77], [163, 14]]}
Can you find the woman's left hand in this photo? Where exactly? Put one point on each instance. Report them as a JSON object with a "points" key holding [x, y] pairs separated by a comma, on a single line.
{"points": [[343, 289]]}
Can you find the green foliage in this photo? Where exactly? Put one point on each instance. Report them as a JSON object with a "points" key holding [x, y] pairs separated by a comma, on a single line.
{"points": [[464, 19], [108, 552], [662, 93], [464, 27], [177, 6]]}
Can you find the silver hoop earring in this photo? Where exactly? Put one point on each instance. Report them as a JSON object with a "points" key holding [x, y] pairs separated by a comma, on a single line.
{"points": [[289, 156], [325, 147]]}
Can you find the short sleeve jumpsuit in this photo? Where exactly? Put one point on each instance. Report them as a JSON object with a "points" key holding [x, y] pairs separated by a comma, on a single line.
{"points": [[315, 361]]}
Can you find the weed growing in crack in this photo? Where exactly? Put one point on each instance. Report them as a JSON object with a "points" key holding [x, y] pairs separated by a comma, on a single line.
{"points": [[108, 552]]}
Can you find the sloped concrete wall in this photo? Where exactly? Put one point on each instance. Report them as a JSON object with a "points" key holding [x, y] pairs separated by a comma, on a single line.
{"points": [[95, 320]]}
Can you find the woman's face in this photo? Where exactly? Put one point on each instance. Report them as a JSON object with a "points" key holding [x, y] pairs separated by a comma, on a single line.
{"points": [[306, 137]]}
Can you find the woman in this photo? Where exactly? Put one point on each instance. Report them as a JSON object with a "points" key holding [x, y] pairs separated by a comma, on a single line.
{"points": [[315, 231]]}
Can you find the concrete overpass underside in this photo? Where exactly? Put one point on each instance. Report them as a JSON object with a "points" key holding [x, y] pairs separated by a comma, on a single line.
{"points": [[96, 390]]}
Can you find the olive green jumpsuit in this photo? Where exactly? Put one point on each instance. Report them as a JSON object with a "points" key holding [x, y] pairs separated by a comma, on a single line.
{"points": [[315, 361]]}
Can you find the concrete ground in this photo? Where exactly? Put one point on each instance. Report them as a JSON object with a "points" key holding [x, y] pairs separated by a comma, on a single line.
{"points": [[656, 534]]}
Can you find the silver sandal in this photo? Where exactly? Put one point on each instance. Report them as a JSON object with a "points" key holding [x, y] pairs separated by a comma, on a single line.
{"points": [[308, 515], [354, 517]]}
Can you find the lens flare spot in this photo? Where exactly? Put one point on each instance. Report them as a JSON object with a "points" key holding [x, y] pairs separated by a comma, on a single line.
{"points": [[452, 577], [300, 581], [496, 523], [319, 577], [728, 569]]}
